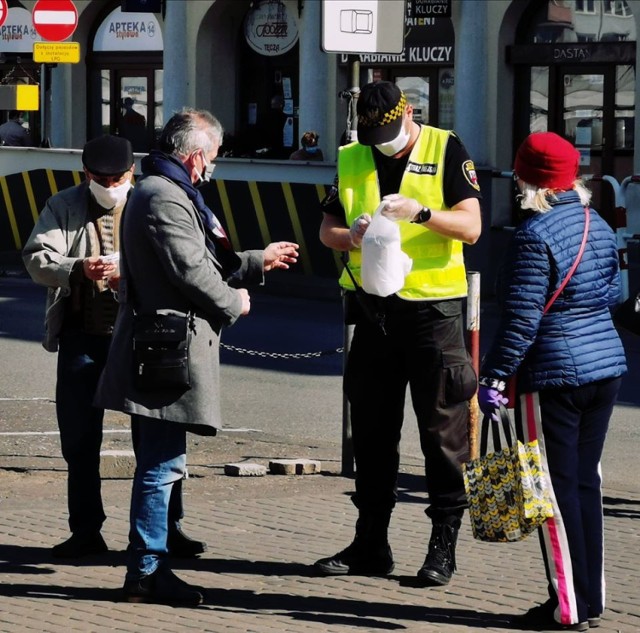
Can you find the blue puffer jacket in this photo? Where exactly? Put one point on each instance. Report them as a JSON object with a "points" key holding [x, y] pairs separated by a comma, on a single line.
{"points": [[575, 343]]}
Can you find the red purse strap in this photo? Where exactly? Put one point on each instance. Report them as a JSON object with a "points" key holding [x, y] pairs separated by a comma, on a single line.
{"points": [[565, 281]]}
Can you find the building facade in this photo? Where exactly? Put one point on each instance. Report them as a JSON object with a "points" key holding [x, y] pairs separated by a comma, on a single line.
{"points": [[493, 70]]}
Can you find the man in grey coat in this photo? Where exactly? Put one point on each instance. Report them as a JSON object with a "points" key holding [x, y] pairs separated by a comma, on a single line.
{"points": [[175, 257], [68, 251]]}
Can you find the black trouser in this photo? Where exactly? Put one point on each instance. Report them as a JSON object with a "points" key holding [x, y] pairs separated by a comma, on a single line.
{"points": [[575, 421], [423, 347], [81, 359]]}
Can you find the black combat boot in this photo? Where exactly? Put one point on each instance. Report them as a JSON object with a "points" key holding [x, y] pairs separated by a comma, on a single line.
{"points": [[440, 562], [368, 555]]}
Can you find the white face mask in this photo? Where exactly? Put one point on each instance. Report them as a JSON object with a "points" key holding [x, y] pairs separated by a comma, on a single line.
{"points": [[109, 197], [396, 145], [207, 172]]}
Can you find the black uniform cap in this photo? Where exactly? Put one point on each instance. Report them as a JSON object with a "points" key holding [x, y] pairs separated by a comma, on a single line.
{"points": [[380, 107]]}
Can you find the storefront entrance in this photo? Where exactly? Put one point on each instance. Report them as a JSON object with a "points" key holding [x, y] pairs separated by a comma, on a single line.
{"points": [[125, 89], [575, 76]]}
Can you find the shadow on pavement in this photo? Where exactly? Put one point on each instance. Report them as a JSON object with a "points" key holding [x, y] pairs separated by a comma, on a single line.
{"points": [[353, 613], [15, 559], [620, 512], [356, 613]]}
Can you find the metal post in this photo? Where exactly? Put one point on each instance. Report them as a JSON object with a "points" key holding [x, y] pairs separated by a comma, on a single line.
{"points": [[43, 106], [348, 468], [355, 91], [473, 331]]}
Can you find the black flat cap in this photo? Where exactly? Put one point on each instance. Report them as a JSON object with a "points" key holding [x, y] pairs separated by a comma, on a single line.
{"points": [[108, 155], [380, 107]]}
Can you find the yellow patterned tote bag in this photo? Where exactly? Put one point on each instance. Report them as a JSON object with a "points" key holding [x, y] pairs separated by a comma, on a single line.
{"points": [[507, 490]]}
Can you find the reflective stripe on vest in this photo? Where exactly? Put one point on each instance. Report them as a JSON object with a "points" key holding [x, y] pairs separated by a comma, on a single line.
{"points": [[438, 270]]}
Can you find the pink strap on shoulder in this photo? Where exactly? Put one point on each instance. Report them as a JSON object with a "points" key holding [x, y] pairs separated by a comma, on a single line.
{"points": [[575, 264]]}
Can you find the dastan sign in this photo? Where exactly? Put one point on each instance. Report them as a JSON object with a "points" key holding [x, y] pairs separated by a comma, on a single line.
{"points": [[271, 27]]}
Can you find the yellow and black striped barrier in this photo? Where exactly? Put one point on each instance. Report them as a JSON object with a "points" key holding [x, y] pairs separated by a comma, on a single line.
{"points": [[254, 213]]}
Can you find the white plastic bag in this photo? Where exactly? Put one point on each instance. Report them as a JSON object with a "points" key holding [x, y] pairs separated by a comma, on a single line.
{"points": [[384, 263]]}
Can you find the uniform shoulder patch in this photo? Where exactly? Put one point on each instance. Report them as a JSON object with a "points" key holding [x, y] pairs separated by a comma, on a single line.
{"points": [[469, 171]]}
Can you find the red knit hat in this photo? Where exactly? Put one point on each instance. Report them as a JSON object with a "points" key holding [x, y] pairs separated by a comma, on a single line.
{"points": [[547, 160]]}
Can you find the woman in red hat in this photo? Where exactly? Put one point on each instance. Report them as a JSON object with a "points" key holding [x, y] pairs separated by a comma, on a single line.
{"points": [[559, 282]]}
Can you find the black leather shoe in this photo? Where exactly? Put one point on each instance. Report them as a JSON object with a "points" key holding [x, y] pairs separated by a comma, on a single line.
{"points": [[541, 617], [440, 562], [162, 587], [181, 546], [358, 559], [79, 545]]}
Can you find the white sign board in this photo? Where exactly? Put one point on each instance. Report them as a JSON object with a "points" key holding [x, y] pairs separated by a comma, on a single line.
{"points": [[129, 31], [363, 26]]}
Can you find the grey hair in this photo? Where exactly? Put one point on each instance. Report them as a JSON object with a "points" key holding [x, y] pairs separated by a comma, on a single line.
{"points": [[537, 199], [189, 130]]}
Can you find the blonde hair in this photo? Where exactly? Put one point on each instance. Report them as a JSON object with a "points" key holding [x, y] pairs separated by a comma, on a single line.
{"points": [[537, 198]]}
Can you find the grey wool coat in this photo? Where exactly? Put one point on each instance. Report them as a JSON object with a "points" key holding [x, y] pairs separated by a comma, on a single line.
{"points": [[170, 268]]}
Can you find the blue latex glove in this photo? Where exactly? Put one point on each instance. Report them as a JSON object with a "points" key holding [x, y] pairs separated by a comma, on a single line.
{"points": [[489, 401]]}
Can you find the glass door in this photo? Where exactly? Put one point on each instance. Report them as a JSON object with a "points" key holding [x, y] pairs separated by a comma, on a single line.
{"points": [[133, 110], [582, 117], [128, 103]]}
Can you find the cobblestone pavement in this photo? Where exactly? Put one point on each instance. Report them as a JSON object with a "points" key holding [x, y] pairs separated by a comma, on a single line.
{"points": [[264, 533]]}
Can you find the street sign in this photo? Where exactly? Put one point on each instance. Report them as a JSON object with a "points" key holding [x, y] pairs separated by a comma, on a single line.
{"points": [[20, 97], [55, 20], [56, 52], [363, 26], [4, 11]]}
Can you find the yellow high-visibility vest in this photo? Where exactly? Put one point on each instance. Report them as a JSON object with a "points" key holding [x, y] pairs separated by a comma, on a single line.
{"points": [[438, 270]]}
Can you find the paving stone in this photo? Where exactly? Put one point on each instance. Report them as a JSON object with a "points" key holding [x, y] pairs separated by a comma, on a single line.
{"points": [[117, 464], [294, 467], [245, 469]]}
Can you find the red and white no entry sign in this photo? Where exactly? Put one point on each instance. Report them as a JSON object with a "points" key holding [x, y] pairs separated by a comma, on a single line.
{"points": [[4, 11], [55, 20]]}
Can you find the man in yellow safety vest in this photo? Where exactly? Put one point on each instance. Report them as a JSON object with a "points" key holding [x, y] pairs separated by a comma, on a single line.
{"points": [[422, 178]]}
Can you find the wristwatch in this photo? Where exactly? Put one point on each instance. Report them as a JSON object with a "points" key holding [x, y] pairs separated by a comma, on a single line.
{"points": [[424, 215]]}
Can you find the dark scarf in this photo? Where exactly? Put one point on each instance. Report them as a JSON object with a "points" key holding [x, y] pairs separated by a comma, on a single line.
{"points": [[161, 164]]}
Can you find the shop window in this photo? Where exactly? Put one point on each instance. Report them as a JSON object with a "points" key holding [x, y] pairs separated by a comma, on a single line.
{"points": [[125, 78], [539, 99], [416, 90], [617, 7], [269, 53]]}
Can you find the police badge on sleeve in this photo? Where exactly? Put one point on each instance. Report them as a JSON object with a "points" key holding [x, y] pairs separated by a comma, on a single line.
{"points": [[469, 171]]}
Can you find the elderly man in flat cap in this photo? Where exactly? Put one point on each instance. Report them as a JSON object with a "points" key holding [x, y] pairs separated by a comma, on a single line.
{"points": [[73, 250]]}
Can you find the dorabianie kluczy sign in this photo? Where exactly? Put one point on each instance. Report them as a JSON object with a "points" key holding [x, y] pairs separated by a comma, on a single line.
{"points": [[429, 8]]}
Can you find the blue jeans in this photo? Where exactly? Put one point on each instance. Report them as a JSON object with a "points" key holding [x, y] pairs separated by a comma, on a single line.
{"points": [[160, 462], [81, 358]]}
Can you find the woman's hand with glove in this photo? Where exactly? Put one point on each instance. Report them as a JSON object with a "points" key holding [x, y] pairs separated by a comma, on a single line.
{"points": [[491, 397], [398, 207]]}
